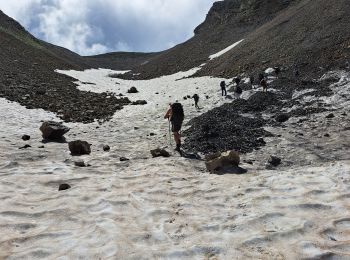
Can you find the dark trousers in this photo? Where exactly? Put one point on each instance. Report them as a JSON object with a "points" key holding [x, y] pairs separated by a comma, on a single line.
{"points": [[223, 92]]}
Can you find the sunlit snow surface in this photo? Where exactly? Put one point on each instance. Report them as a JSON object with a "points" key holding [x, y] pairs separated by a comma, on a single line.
{"points": [[218, 54], [170, 208]]}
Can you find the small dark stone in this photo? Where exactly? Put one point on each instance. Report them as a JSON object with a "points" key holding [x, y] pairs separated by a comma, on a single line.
{"points": [[326, 135], [274, 161], [25, 137], [207, 97], [123, 159], [64, 186], [25, 147], [159, 153], [41, 146], [282, 118], [152, 134], [106, 148], [139, 102], [331, 115], [344, 114], [135, 128], [133, 90], [80, 164]]}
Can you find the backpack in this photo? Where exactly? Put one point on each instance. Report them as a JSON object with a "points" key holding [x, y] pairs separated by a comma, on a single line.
{"points": [[239, 90], [177, 112], [222, 84], [237, 80]]}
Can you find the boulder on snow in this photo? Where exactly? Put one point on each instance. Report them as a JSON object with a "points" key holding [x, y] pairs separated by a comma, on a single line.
{"points": [[133, 90], [25, 137], [80, 163], [123, 159], [219, 160], [274, 161], [139, 102], [282, 118], [64, 186], [106, 148], [79, 147], [331, 115], [53, 130], [159, 153]]}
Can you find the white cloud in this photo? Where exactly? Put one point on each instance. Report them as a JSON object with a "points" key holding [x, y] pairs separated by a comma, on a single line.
{"points": [[96, 26]]}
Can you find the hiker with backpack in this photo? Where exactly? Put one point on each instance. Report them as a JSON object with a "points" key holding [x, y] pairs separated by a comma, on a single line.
{"points": [[263, 83], [196, 99], [223, 88], [175, 115], [238, 90]]}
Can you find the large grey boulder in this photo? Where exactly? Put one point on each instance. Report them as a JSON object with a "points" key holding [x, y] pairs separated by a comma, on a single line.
{"points": [[53, 130]]}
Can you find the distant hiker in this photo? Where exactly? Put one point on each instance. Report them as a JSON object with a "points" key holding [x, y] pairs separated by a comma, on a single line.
{"points": [[263, 83], [238, 91], [237, 81], [251, 78], [261, 77], [296, 72], [196, 99], [223, 88], [175, 115], [277, 71]]}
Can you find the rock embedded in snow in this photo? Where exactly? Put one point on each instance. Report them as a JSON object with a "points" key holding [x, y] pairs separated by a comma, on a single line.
{"points": [[139, 102], [274, 160], [53, 130], [106, 148], [123, 159], [79, 147], [80, 163], [220, 160], [331, 115], [25, 146], [64, 186], [282, 118], [133, 90], [160, 153], [25, 137]]}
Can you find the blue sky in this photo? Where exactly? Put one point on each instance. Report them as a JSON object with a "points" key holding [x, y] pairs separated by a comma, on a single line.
{"points": [[97, 26]]}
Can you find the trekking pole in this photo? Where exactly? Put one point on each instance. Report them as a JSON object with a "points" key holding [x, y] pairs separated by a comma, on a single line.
{"points": [[169, 133]]}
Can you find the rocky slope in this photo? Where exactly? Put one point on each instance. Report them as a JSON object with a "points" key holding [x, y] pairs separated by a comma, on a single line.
{"points": [[309, 34], [28, 76]]}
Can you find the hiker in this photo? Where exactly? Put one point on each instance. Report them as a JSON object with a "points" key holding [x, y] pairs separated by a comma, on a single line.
{"points": [[196, 99], [238, 90], [223, 88], [175, 115], [296, 72], [263, 83], [237, 81], [251, 78], [261, 77], [277, 71]]}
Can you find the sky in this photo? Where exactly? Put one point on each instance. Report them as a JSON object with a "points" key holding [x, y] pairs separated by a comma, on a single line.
{"points": [[91, 27]]}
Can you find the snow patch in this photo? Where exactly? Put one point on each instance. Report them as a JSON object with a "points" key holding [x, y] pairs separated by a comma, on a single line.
{"points": [[218, 54]]}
